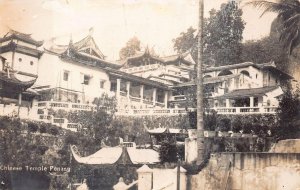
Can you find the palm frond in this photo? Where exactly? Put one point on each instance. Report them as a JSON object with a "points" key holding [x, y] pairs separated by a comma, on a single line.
{"points": [[277, 7]]}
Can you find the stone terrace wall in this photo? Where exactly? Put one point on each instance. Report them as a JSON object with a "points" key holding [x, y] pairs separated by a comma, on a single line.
{"points": [[248, 171]]}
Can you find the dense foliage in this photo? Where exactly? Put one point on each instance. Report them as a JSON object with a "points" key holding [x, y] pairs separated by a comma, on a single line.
{"points": [[288, 116], [222, 36], [132, 47], [265, 50], [288, 14]]}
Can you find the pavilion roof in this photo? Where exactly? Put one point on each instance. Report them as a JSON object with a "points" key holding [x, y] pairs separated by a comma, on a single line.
{"points": [[10, 80], [12, 34], [119, 155], [161, 130], [184, 57], [266, 66], [234, 66], [242, 93], [272, 68], [209, 80], [130, 77], [86, 49]]}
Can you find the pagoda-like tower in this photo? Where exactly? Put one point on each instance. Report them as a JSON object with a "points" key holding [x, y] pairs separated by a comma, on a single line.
{"points": [[22, 53], [19, 54]]}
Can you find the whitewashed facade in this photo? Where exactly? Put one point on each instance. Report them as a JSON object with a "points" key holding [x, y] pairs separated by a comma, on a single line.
{"points": [[71, 76]]}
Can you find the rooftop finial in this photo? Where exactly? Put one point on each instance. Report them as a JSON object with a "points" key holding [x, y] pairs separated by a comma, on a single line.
{"points": [[91, 31], [71, 39], [147, 50]]}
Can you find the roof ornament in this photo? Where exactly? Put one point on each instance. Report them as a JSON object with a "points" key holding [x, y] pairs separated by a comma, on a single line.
{"points": [[91, 31], [7, 68], [71, 39], [147, 51]]}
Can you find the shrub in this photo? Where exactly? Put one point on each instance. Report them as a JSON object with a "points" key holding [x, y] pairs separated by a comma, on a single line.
{"points": [[168, 151], [4, 122], [43, 128], [33, 127], [224, 124], [54, 131], [42, 149]]}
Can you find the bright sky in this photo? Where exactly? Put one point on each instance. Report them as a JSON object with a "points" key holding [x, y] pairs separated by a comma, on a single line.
{"points": [[154, 22]]}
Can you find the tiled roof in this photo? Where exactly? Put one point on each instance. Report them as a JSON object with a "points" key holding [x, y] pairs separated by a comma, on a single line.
{"points": [[235, 66], [21, 36], [88, 42], [248, 92], [209, 80], [272, 68], [12, 80], [164, 130], [143, 156], [141, 80], [111, 155], [184, 56], [106, 155]]}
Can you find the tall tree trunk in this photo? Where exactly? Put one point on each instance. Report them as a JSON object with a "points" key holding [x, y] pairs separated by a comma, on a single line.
{"points": [[200, 128]]}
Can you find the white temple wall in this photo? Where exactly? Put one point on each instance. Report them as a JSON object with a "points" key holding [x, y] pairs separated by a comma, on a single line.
{"points": [[51, 72], [26, 63]]}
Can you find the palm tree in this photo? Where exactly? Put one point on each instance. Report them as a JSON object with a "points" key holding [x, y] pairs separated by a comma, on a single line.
{"points": [[289, 15]]}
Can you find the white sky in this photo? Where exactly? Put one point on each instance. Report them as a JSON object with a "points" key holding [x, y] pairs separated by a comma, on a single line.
{"points": [[154, 22]]}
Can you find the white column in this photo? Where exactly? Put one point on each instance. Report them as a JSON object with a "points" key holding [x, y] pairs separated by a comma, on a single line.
{"points": [[118, 89], [227, 103], [142, 93], [154, 96], [166, 99], [182, 178], [251, 101], [144, 178], [20, 99], [128, 89]]}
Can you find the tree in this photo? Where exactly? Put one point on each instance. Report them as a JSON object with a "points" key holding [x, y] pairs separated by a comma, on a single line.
{"points": [[96, 122], [288, 116], [132, 46], [222, 36], [265, 50], [289, 15], [185, 41], [168, 150]]}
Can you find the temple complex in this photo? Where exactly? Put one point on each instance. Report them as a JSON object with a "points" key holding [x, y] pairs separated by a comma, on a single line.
{"points": [[71, 76]]}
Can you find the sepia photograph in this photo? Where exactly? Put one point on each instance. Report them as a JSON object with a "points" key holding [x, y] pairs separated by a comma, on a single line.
{"points": [[149, 94]]}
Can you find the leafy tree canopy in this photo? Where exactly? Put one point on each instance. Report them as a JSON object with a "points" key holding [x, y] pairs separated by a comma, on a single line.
{"points": [[265, 50], [288, 15], [223, 32], [288, 116], [132, 46]]}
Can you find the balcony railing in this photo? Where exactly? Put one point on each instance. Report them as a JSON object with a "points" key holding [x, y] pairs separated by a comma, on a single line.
{"points": [[173, 111], [246, 110], [142, 68], [68, 106], [221, 110]]}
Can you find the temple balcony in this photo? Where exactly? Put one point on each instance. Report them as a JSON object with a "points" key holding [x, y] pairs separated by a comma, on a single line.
{"points": [[141, 68], [162, 111], [67, 106], [178, 111], [245, 110]]}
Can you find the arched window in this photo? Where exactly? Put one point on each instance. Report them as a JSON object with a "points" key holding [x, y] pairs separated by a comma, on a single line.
{"points": [[245, 73], [207, 76], [225, 72]]}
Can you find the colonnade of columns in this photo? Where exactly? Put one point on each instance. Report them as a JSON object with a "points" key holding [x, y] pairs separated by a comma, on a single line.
{"points": [[141, 93], [228, 103]]}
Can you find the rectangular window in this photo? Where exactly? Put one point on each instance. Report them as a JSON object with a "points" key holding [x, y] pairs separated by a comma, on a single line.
{"points": [[66, 75], [102, 82], [86, 79]]}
